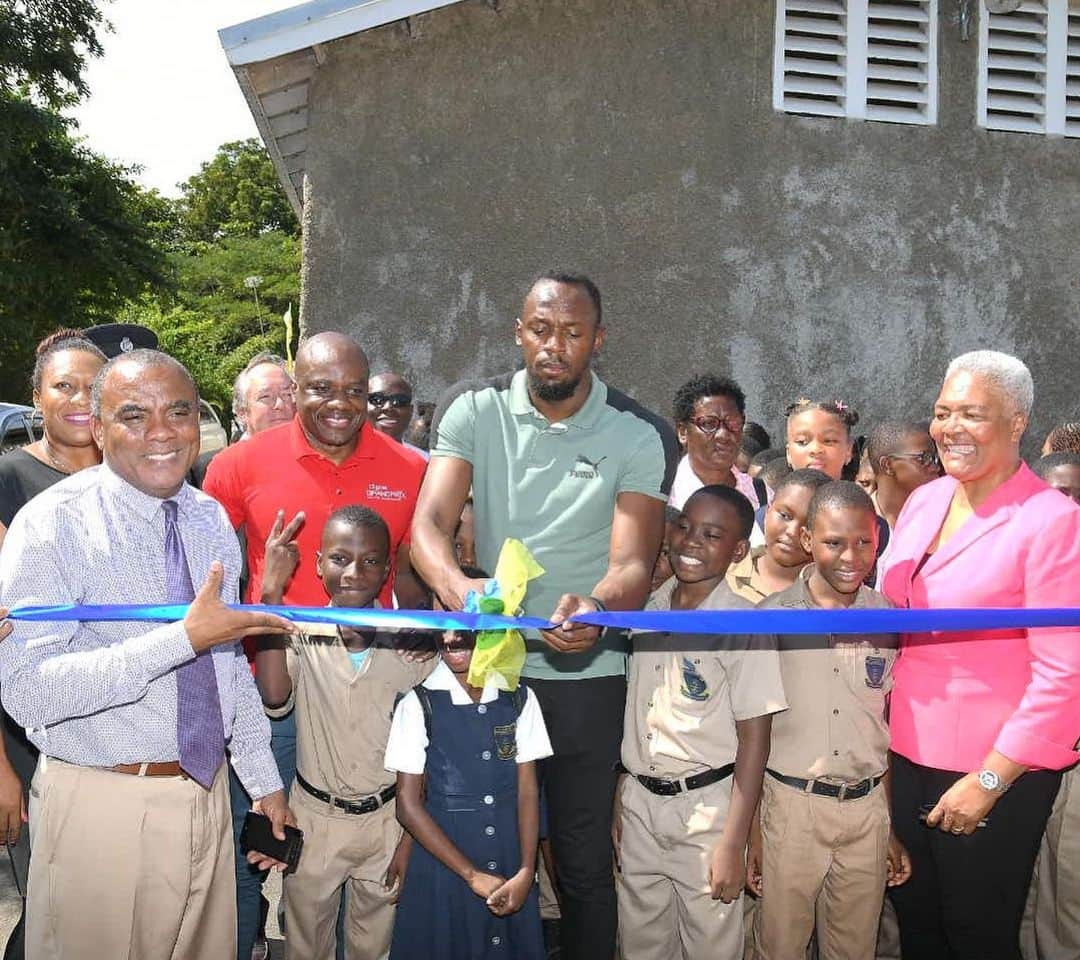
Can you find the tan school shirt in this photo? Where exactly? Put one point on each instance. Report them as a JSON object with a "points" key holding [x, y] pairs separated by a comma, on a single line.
{"points": [[745, 580], [836, 725], [683, 699], [343, 714]]}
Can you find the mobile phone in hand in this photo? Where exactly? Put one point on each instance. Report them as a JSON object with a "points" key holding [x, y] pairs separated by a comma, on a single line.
{"points": [[258, 835]]}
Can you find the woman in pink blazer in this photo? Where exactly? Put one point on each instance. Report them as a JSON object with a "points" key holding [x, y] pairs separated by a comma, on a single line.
{"points": [[981, 722]]}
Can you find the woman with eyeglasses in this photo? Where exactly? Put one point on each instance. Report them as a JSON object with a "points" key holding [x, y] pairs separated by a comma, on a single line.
{"points": [[981, 721], [390, 408], [710, 413]]}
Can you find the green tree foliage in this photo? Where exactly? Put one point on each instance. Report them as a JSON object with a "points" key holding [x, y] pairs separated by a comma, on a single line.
{"points": [[236, 194], [80, 243], [233, 251], [43, 48], [209, 321], [75, 232]]}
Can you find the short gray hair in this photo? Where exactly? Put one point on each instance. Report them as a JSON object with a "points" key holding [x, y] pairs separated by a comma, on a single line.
{"points": [[1006, 372], [239, 404], [142, 359]]}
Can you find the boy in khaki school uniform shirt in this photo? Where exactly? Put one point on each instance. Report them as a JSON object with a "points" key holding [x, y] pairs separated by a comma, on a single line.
{"points": [[774, 565], [694, 716], [344, 689], [768, 569], [824, 850]]}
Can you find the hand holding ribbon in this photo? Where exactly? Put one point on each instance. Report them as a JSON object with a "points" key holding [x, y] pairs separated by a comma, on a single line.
{"points": [[571, 634]]}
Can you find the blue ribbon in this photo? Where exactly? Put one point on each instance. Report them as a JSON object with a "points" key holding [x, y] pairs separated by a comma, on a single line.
{"points": [[346, 616], [785, 621], [846, 621]]}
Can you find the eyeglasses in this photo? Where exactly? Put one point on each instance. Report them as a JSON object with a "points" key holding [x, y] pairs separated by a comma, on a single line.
{"points": [[271, 399], [394, 399], [924, 458], [711, 424]]}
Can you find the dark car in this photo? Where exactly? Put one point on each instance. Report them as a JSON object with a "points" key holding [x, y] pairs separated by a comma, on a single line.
{"points": [[19, 425]]}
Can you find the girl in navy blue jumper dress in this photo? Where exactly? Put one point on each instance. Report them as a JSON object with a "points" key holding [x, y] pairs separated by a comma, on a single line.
{"points": [[466, 791]]}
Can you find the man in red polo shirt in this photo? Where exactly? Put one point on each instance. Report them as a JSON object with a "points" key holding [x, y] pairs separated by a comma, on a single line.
{"points": [[328, 456], [325, 458]]}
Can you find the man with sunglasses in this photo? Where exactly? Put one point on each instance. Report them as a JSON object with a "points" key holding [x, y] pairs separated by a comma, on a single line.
{"points": [[390, 408]]}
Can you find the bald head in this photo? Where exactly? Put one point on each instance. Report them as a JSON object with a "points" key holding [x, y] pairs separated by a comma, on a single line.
{"points": [[330, 347], [331, 393]]}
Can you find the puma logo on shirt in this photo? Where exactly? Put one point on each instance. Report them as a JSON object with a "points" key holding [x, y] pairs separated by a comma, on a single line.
{"points": [[586, 469]]}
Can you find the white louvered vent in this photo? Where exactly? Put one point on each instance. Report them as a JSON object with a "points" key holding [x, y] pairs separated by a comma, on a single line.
{"points": [[862, 59], [901, 50], [1072, 73], [1013, 61], [811, 57], [1029, 68]]}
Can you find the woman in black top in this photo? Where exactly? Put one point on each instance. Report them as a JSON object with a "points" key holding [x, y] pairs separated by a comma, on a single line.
{"points": [[64, 371]]}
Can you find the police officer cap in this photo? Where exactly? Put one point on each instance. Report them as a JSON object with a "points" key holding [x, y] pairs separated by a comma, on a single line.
{"points": [[114, 339]]}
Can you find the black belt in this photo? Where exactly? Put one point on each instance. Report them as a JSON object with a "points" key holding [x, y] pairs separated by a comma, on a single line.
{"points": [[838, 791], [367, 805], [668, 788]]}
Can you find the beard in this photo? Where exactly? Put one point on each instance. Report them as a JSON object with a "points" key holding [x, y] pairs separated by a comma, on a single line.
{"points": [[551, 392]]}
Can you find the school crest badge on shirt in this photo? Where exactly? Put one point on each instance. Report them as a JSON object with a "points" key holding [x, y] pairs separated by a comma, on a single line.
{"points": [[875, 672], [694, 686], [506, 740]]}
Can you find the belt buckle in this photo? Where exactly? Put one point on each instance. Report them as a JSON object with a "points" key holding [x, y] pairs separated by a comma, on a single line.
{"points": [[843, 791], [356, 807], [659, 786]]}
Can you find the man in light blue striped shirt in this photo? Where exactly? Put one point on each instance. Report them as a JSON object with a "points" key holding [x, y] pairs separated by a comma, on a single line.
{"points": [[131, 854]]}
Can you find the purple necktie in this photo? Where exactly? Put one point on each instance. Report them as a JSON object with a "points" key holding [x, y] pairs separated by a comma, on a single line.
{"points": [[199, 730]]}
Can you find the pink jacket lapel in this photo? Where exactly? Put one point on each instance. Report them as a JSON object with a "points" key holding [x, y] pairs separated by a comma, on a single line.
{"points": [[997, 509]]}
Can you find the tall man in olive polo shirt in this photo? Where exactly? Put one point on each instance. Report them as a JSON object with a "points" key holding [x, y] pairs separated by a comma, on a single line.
{"points": [[580, 473]]}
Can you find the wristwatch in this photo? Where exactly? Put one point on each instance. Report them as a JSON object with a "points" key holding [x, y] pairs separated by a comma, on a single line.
{"points": [[991, 782]]}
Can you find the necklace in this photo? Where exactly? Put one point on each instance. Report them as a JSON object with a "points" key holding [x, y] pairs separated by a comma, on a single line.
{"points": [[57, 463]]}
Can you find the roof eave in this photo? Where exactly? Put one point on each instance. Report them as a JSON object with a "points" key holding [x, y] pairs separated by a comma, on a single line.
{"points": [[315, 22]]}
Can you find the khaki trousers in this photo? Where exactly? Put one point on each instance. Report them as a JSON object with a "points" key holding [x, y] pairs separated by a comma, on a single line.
{"points": [[129, 868], [340, 849], [824, 861], [665, 907], [1051, 927]]}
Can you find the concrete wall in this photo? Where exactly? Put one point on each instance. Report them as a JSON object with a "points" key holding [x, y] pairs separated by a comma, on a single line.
{"points": [[454, 156]]}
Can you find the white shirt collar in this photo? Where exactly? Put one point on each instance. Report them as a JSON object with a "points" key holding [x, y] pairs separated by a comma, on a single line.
{"points": [[442, 678], [687, 482]]}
